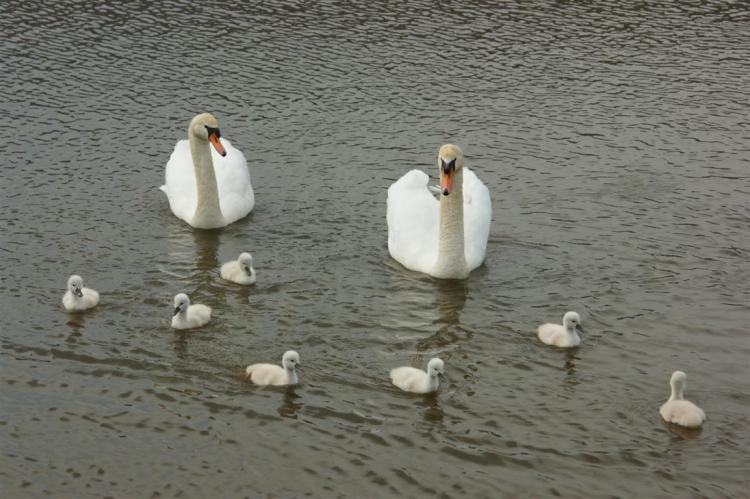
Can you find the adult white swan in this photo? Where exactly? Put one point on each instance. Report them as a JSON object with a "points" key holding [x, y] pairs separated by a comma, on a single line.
{"points": [[445, 239], [203, 196]]}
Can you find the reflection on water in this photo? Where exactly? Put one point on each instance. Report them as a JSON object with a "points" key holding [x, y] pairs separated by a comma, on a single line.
{"points": [[181, 338], [450, 297], [206, 244], [432, 411], [290, 404], [76, 322], [570, 360], [680, 433], [449, 300]]}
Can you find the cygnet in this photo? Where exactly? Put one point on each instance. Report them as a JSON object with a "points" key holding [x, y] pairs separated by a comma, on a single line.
{"points": [[411, 379], [78, 298], [187, 316], [240, 271], [271, 374], [564, 336]]}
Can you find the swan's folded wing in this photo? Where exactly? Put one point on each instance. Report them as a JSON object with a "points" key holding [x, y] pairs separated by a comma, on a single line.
{"points": [[412, 215], [179, 181], [233, 179], [477, 219]]}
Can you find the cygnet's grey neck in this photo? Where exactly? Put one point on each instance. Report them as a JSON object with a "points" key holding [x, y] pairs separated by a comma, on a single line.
{"points": [[208, 210], [291, 374], [571, 330], [677, 391], [433, 382], [451, 261]]}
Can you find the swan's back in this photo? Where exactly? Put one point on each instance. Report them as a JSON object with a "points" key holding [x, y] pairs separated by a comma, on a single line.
{"points": [[477, 219], [410, 379], [199, 314], [236, 196], [267, 374], [413, 218], [90, 297], [551, 334], [683, 413]]}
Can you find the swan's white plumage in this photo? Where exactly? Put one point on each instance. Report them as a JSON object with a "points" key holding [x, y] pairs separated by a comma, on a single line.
{"points": [[240, 271], [411, 379], [413, 216], [77, 298], [236, 196], [563, 336], [477, 219], [189, 316], [677, 410], [206, 179], [271, 374]]}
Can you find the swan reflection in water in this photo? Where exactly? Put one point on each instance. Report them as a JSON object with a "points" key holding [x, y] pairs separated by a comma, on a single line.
{"points": [[289, 404], [206, 244], [76, 323], [432, 412], [450, 297], [570, 361]]}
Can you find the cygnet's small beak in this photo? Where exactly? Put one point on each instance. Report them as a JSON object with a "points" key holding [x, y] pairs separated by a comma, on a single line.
{"points": [[176, 311], [213, 137], [78, 292], [579, 328]]}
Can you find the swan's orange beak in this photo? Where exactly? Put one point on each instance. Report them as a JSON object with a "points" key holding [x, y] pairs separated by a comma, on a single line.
{"points": [[446, 182], [213, 137]]}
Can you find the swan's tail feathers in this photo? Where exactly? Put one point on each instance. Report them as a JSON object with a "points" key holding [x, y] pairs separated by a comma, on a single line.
{"points": [[435, 189], [163, 188]]}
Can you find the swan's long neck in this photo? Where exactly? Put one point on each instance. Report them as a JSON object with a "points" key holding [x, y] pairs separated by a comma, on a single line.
{"points": [[432, 382], [208, 210], [291, 376], [182, 315], [570, 330], [677, 389], [451, 260]]}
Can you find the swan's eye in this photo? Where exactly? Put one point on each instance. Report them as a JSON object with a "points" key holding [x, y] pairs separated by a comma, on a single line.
{"points": [[450, 165], [214, 131]]}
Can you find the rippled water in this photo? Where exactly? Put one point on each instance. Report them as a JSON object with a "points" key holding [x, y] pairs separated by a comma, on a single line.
{"points": [[614, 141]]}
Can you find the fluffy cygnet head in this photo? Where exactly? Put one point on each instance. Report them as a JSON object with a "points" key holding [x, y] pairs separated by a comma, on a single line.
{"points": [[435, 367], [205, 127], [246, 262], [450, 161], [678, 382], [290, 360], [75, 285], [181, 303], [572, 320]]}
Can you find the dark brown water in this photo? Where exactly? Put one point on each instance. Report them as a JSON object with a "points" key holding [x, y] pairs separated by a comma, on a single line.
{"points": [[614, 141]]}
